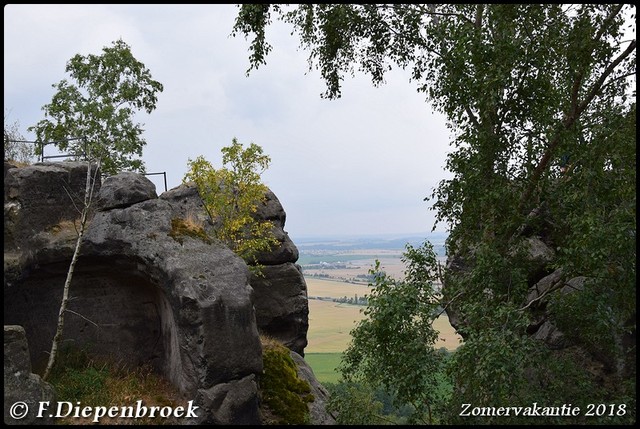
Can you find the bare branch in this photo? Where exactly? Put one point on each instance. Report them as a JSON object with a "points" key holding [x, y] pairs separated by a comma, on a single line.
{"points": [[72, 199], [80, 315], [444, 308], [555, 287]]}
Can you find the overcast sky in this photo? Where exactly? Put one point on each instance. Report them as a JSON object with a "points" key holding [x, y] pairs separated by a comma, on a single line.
{"points": [[358, 165]]}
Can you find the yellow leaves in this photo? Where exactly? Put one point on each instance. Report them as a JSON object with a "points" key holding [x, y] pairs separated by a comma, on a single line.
{"points": [[232, 196]]}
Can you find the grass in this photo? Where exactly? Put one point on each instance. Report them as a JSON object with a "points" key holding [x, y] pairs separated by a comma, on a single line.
{"points": [[66, 225], [324, 366], [87, 381]]}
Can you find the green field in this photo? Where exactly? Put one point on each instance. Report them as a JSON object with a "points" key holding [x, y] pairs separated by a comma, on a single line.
{"points": [[324, 366]]}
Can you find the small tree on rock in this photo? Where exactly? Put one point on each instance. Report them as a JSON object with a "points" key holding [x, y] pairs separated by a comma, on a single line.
{"points": [[108, 90], [231, 196]]}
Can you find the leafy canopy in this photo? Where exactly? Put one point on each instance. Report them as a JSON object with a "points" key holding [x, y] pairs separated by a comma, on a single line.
{"points": [[393, 346], [541, 102], [232, 195], [97, 108]]}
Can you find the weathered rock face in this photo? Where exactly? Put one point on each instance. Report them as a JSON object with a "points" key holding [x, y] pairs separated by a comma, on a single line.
{"points": [[282, 308], [143, 293], [280, 294], [139, 293], [318, 408], [40, 193], [21, 386]]}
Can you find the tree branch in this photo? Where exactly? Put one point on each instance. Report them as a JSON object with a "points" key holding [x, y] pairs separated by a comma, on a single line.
{"points": [[608, 19], [472, 117], [430, 10], [569, 120], [80, 315], [88, 195], [555, 287], [597, 86], [448, 303]]}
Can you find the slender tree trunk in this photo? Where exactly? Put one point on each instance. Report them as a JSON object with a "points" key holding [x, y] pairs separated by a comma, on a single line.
{"points": [[88, 196]]}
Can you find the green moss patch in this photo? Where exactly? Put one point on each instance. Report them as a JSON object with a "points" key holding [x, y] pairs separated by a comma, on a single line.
{"points": [[284, 395]]}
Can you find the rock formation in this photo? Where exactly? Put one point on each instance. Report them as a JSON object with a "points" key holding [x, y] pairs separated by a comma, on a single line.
{"points": [[282, 308], [23, 390], [318, 414], [144, 292]]}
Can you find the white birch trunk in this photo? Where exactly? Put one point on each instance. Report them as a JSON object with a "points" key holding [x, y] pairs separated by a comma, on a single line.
{"points": [[88, 196]]}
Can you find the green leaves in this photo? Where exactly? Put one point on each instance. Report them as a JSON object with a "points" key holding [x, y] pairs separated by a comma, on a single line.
{"points": [[98, 108], [393, 345], [523, 86], [231, 196]]}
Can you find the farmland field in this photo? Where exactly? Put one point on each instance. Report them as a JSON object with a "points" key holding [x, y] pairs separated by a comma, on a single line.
{"points": [[335, 270], [330, 323], [324, 366]]}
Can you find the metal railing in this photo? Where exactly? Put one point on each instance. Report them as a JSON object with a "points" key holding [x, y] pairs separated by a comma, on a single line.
{"points": [[69, 155], [164, 173], [44, 144]]}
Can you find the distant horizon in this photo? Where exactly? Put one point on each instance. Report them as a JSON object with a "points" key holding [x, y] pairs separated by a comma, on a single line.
{"points": [[369, 236]]}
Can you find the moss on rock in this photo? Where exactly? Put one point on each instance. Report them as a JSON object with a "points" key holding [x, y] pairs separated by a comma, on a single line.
{"points": [[186, 227], [284, 396]]}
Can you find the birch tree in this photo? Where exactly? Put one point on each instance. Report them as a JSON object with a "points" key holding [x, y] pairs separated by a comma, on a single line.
{"points": [[92, 176], [540, 99], [100, 101]]}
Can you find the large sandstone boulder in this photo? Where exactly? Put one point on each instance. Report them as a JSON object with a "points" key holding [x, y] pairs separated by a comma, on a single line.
{"points": [[145, 290], [280, 292], [142, 292], [285, 251], [282, 307], [38, 197]]}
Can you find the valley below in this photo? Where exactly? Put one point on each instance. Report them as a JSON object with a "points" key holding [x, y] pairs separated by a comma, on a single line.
{"points": [[337, 274]]}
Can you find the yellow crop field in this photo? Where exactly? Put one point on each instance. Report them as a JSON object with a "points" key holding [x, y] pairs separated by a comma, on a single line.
{"points": [[334, 289], [330, 323]]}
